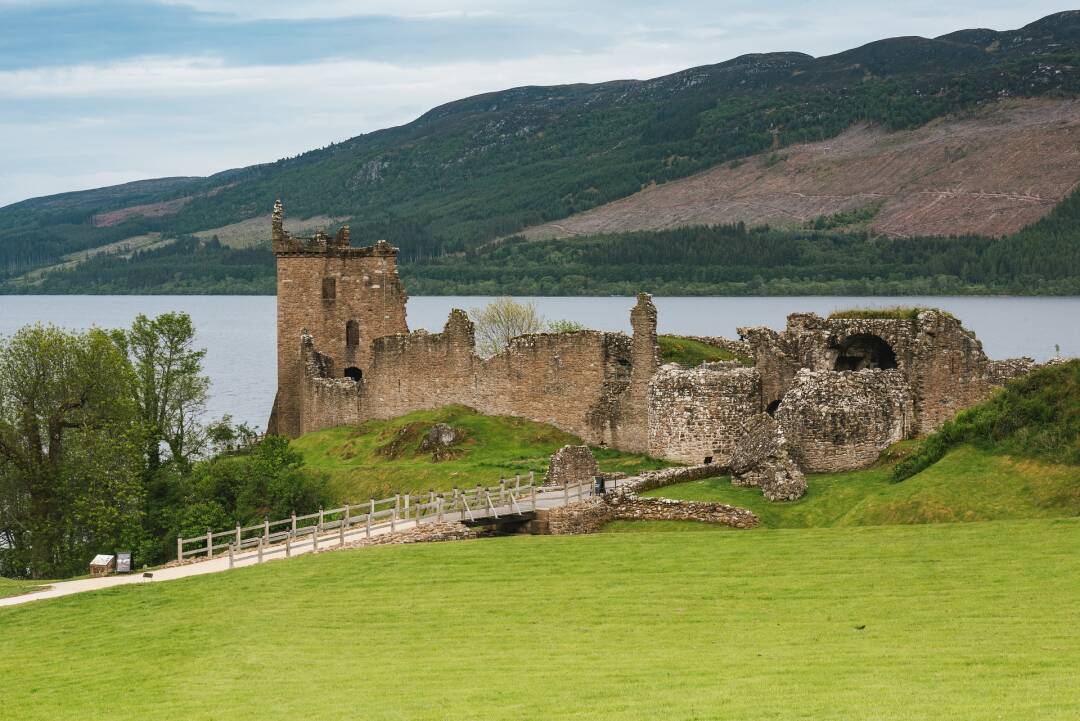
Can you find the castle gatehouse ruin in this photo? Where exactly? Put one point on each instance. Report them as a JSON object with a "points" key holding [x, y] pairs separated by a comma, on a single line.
{"points": [[837, 391]]}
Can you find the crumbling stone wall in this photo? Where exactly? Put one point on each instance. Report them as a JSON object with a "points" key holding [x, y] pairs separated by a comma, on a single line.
{"points": [[591, 514], [628, 507], [941, 362], [694, 413], [762, 459], [588, 515], [839, 421], [571, 465], [575, 381]]}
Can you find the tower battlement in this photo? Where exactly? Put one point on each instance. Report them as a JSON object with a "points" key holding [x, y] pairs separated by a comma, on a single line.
{"points": [[285, 243]]}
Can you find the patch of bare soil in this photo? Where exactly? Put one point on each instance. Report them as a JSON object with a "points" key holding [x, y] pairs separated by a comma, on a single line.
{"points": [[991, 173]]}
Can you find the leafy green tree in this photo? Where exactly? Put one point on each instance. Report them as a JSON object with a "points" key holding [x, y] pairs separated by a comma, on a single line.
{"points": [[500, 321], [69, 461], [171, 390]]}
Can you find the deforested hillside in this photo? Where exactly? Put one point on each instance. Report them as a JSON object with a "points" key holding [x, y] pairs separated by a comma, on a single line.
{"points": [[989, 172]]}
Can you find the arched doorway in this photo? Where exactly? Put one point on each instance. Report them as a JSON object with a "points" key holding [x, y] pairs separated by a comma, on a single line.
{"points": [[864, 351], [355, 373]]}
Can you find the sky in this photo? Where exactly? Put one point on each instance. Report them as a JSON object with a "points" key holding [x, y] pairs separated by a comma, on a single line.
{"points": [[108, 91]]}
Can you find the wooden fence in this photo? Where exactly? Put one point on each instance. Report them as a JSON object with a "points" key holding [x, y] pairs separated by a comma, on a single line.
{"points": [[378, 516]]}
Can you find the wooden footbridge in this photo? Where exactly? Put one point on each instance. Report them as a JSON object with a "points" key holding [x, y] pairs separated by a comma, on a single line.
{"points": [[510, 502]]}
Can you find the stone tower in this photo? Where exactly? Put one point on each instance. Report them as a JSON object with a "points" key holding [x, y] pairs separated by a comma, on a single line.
{"points": [[343, 297]]}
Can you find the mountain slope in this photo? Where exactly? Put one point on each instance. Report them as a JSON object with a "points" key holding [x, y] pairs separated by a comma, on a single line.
{"points": [[490, 165], [991, 173]]}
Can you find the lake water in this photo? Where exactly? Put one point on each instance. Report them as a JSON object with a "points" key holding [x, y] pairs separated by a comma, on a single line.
{"points": [[239, 334]]}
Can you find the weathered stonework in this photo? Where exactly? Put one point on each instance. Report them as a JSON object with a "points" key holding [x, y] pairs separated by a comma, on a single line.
{"points": [[571, 465], [838, 421], [591, 514], [841, 389], [694, 414], [762, 459], [628, 507]]}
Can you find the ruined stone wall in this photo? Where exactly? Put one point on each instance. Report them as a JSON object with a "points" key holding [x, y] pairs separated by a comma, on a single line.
{"points": [[592, 514], [571, 465], [840, 421], [628, 507], [565, 379], [943, 363], [696, 413]]}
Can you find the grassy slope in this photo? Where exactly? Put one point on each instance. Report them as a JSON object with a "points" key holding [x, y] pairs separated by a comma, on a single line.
{"points": [[494, 447], [968, 484], [12, 587], [759, 625], [689, 352]]}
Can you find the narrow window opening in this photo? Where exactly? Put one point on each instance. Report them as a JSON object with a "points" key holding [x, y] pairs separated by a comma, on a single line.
{"points": [[352, 334], [771, 409], [355, 373], [708, 460], [329, 288]]}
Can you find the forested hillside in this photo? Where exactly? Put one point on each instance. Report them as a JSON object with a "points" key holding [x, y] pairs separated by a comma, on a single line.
{"points": [[486, 167]]}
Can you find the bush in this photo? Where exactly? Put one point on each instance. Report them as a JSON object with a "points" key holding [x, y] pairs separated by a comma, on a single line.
{"points": [[1037, 416]]}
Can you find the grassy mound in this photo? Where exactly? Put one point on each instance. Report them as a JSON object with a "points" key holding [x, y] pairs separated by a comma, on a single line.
{"points": [[968, 484], [1035, 416], [830, 623], [379, 458], [689, 352]]}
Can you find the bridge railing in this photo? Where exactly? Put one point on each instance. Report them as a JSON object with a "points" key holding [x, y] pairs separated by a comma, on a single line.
{"points": [[514, 496]]}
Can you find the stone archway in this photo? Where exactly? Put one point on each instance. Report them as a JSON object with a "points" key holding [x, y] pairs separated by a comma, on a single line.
{"points": [[864, 350]]}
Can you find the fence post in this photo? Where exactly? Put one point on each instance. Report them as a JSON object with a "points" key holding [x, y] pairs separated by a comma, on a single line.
{"points": [[266, 528], [260, 550], [288, 545], [394, 512], [341, 526], [209, 543], [502, 491], [371, 512], [238, 537], [179, 548], [438, 507], [315, 539], [321, 521], [230, 556], [293, 531]]}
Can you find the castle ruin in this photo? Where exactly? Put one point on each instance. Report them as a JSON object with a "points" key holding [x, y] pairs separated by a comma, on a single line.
{"points": [[840, 390]]}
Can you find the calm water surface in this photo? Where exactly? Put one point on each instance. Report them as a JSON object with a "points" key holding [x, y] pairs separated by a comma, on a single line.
{"points": [[239, 335]]}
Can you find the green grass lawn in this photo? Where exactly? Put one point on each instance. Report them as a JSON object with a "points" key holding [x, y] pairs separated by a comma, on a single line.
{"points": [[379, 458], [968, 484], [13, 587], [948, 621], [689, 352]]}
